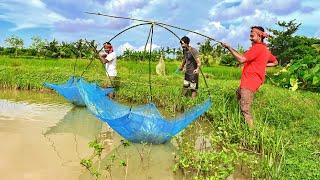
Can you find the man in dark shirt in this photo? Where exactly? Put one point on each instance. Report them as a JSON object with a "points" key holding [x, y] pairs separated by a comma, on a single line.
{"points": [[191, 65]]}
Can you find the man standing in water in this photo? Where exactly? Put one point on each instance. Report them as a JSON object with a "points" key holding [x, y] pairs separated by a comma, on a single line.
{"points": [[191, 63], [109, 58], [255, 61]]}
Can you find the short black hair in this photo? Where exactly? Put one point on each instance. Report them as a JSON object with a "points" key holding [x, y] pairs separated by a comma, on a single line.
{"points": [[107, 43], [185, 39], [258, 27]]}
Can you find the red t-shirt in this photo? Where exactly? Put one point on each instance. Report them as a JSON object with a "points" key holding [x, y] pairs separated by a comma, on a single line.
{"points": [[254, 70]]}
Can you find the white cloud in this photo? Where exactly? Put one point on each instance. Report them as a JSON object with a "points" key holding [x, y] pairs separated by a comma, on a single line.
{"points": [[282, 7], [75, 25], [235, 33], [226, 10], [233, 10], [28, 14], [154, 46], [123, 47], [129, 46], [308, 20], [217, 25], [37, 3], [123, 8]]}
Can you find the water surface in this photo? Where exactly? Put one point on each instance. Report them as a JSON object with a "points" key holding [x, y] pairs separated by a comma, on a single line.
{"points": [[44, 137]]}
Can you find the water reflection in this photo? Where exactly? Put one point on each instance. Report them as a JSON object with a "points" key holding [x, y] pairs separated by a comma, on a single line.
{"points": [[31, 97], [137, 162], [25, 153], [78, 127], [77, 121]]}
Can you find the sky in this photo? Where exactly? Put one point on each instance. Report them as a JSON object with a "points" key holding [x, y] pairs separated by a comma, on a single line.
{"points": [[224, 20]]}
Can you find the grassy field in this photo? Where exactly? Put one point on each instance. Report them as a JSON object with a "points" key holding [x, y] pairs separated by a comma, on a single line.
{"points": [[285, 144]]}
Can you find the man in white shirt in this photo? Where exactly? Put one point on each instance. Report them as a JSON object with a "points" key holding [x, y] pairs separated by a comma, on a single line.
{"points": [[109, 58]]}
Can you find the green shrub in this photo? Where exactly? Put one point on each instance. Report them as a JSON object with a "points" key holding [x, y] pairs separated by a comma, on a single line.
{"points": [[303, 73]]}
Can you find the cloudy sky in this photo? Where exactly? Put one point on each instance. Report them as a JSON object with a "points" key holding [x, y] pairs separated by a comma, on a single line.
{"points": [[225, 20]]}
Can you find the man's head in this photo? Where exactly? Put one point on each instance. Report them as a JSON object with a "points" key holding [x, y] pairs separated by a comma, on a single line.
{"points": [[184, 41], [108, 47], [257, 34]]}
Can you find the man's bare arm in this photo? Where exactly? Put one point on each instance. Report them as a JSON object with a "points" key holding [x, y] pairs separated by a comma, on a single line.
{"points": [[196, 71], [198, 62], [235, 53], [272, 64], [102, 58], [182, 64]]}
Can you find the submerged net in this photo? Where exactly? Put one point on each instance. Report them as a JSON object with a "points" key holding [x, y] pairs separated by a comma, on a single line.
{"points": [[70, 91], [137, 124]]}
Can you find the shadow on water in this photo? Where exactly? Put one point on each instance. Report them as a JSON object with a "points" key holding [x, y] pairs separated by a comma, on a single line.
{"points": [[143, 161], [80, 127], [79, 122], [138, 162]]}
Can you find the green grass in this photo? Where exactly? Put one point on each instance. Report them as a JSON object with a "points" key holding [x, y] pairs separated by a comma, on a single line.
{"points": [[285, 143]]}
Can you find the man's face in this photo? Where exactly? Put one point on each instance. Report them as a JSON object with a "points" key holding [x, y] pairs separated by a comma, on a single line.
{"points": [[107, 48], [184, 45], [254, 37]]}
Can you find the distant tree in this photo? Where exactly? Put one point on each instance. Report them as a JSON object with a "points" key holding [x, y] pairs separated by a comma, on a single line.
{"points": [[14, 42], [91, 48], [213, 53], [179, 54], [206, 47], [174, 52], [39, 45], [80, 45], [288, 47], [52, 49], [1, 50], [64, 50], [281, 40]]}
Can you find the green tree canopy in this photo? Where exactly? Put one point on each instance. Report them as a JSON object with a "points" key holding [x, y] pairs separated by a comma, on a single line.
{"points": [[14, 42], [284, 41]]}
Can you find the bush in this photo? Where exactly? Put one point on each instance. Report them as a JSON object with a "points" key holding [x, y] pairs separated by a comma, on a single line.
{"points": [[303, 73], [228, 60], [296, 53]]}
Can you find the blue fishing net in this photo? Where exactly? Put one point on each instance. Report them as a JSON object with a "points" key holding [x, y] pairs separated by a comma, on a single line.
{"points": [[137, 124], [70, 91]]}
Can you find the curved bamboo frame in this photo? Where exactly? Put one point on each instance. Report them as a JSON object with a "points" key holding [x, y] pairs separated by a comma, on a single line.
{"points": [[150, 36]]}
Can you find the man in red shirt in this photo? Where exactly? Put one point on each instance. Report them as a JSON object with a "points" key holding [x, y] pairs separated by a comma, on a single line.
{"points": [[255, 61]]}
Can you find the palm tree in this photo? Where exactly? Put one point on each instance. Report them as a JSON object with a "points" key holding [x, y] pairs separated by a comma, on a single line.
{"points": [[91, 49], [52, 48], [79, 45]]}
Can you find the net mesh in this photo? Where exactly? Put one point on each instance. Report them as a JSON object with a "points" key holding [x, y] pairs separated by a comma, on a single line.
{"points": [[138, 124]]}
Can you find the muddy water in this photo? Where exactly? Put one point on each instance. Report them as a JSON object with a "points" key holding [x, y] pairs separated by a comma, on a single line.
{"points": [[44, 137]]}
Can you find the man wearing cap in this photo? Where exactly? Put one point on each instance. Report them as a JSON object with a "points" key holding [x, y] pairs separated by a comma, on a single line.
{"points": [[255, 61], [109, 58], [191, 63]]}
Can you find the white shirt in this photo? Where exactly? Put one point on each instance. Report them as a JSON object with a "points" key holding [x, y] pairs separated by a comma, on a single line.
{"points": [[111, 64]]}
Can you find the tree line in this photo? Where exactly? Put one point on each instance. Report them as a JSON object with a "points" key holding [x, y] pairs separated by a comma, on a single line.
{"points": [[42, 48]]}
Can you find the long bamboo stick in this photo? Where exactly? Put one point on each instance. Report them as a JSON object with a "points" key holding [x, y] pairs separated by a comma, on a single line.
{"points": [[154, 22]]}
